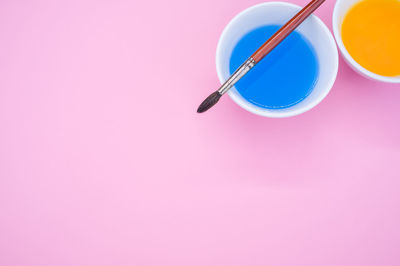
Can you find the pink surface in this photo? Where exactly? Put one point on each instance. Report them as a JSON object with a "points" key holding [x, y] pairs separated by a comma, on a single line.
{"points": [[103, 160]]}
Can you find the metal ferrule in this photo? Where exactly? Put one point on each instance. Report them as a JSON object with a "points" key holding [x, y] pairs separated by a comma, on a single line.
{"points": [[239, 73]]}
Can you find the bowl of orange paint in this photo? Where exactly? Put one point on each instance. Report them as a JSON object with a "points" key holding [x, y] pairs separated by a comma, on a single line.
{"points": [[368, 36]]}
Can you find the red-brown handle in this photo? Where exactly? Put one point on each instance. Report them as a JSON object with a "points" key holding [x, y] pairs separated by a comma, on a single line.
{"points": [[288, 28]]}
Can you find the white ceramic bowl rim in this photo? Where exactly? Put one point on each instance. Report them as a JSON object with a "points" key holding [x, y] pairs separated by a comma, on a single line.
{"points": [[337, 20], [298, 108]]}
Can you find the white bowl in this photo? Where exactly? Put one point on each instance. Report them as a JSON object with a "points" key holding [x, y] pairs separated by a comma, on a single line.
{"points": [[279, 13], [339, 12]]}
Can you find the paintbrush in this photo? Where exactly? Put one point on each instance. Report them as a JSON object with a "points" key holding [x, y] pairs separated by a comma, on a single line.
{"points": [[265, 49]]}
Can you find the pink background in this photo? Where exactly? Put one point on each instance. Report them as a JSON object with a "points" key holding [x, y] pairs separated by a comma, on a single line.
{"points": [[103, 160]]}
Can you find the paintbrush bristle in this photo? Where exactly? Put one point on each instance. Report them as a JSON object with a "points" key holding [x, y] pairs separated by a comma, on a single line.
{"points": [[209, 102]]}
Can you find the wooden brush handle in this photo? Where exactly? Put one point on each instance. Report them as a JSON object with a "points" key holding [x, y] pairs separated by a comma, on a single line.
{"points": [[288, 28]]}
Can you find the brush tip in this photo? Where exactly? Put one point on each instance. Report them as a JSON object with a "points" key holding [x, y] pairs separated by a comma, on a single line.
{"points": [[209, 102]]}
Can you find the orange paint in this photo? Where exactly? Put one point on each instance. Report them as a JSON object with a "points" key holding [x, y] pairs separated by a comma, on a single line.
{"points": [[371, 34]]}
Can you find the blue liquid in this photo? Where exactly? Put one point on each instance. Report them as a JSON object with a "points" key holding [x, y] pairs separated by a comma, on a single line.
{"points": [[284, 77]]}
